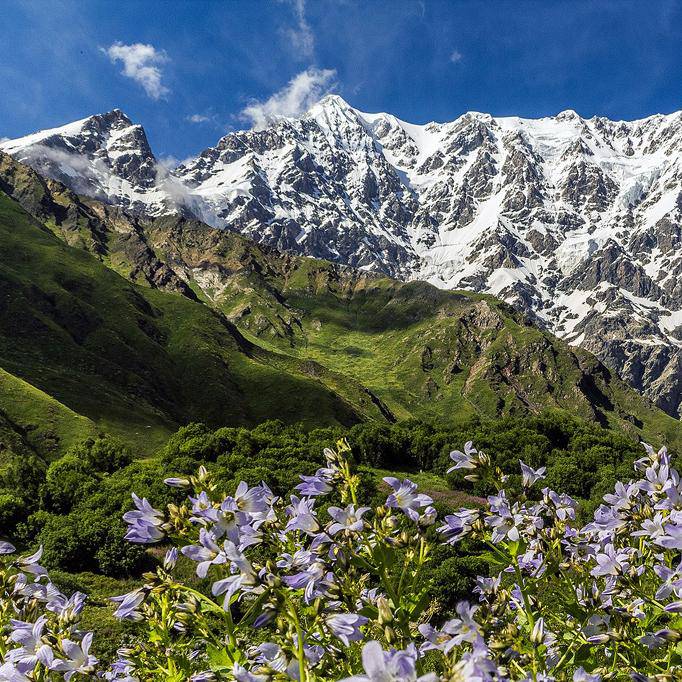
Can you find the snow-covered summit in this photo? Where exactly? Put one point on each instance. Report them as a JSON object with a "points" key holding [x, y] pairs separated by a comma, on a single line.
{"points": [[577, 221], [105, 156]]}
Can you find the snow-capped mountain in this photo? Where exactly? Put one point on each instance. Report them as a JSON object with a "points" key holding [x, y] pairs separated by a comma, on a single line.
{"points": [[106, 157], [578, 222]]}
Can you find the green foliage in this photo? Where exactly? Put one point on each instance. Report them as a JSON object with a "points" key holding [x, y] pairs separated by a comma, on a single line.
{"points": [[452, 578], [103, 453], [84, 494], [84, 349], [11, 510], [99, 352]]}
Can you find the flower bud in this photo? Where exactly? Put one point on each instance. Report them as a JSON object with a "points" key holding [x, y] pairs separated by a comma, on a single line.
{"points": [[668, 635], [385, 614], [389, 634], [391, 522], [538, 634], [176, 482]]}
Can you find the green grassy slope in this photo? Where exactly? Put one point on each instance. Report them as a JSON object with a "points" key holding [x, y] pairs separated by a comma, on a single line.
{"points": [[138, 361], [425, 352], [32, 420], [392, 350]]}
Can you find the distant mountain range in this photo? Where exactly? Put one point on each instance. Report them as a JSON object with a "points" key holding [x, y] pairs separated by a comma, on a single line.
{"points": [[575, 222], [132, 324]]}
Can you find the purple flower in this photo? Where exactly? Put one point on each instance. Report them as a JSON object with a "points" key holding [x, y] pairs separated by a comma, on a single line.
{"points": [[406, 497], [458, 525], [564, 506], [241, 674], [672, 539], [144, 525], [389, 666], [346, 626], [319, 484], [30, 564], [347, 519], [31, 650], [428, 518], [7, 548], [9, 673], [610, 562], [170, 559], [244, 577], [672, 581], [656, 479], [466, 459], [314, 580], [653, 529], [63, 606], [506, 523], [531, 476], [78, 658], [253, 501], [455, 632], [207, 552], [128, 605], [478, 666], [301, 516]]}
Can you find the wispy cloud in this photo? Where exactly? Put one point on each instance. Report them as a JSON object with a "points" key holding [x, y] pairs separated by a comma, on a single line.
{"points": [[142, 64], [198, 118], [299, 94], [301, 36], [168, 162], [456, 56]]}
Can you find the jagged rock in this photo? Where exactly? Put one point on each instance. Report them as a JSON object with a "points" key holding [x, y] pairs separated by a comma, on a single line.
{"points": [[577, 222]]}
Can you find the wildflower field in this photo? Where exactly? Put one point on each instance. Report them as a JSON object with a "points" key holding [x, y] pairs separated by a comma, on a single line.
{"points": [[321, 584]]}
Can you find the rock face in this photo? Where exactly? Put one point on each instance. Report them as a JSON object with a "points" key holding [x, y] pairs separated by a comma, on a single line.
{"points": [[576, 222], [106, 157]]}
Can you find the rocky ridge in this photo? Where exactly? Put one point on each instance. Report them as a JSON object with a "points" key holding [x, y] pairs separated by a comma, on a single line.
{"points": [[575, 221]]}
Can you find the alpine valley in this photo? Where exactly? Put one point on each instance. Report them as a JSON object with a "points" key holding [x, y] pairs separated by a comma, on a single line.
{"points": [[304, 271]]}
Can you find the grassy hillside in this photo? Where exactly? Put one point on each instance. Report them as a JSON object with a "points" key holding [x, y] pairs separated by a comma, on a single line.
{"points": [[32, 420], [136, 361], [293, 338]]}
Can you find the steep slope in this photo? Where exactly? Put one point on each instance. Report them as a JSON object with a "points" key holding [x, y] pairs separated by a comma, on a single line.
{"points": [[32, 421], [576, 222], [418, 350], [138, 362]]}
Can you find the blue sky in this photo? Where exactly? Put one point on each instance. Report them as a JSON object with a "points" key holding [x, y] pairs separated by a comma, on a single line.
{"points": [[190, 71]]}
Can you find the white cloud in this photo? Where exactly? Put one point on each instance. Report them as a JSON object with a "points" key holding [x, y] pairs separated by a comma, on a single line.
{"points": [[141, 63], [168, 162], [198, 118], [456, 56], [300, 93], [4, 139], [302, 36]]}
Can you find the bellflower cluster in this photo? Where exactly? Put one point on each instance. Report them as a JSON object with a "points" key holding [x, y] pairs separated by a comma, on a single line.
{"points": [[39, 634], [318, 587]]}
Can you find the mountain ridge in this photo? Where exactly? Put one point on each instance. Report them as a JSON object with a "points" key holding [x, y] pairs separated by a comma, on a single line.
{"points": [[359, 344], [575, 221]]}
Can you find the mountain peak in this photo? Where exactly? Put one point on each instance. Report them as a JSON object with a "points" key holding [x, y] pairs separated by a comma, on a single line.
{"points": [[517, 207], [113, 117], [568, 115], [333, 100]]}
